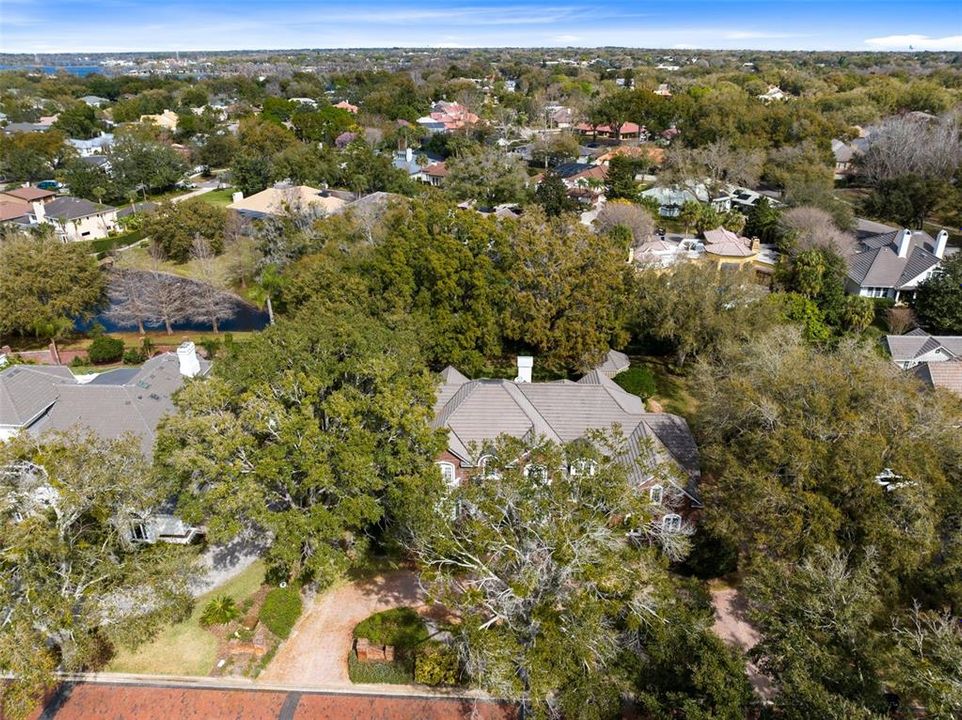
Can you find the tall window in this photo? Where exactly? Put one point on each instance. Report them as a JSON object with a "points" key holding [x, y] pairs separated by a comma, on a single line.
{"points": [[448, 474], [485, 462], [656, 493], [671, 523], [537, 472], [583, 466]]}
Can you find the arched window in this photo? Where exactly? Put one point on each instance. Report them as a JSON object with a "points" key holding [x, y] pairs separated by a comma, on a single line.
{"points": [[583, 466], [484, 462], [656, 493], [537, 472], [671, 523], [448, 474]]}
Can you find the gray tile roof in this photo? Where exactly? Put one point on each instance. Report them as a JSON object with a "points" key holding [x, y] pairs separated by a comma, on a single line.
{"points": [[112, 404], [877, 264], [614, 363], [476, 412], [905, 348]]}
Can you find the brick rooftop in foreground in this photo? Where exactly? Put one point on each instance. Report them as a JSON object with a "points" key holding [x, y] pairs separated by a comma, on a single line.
{"points": [[117, 701]]}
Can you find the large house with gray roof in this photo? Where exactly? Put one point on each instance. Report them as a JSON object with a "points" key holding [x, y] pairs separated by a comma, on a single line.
{"points": [[891, 265], [40, 399], [919, 347], [476, 412]]}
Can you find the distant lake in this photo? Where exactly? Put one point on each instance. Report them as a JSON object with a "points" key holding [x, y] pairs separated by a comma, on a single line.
{"points": [[244, 317], [79, 70]]}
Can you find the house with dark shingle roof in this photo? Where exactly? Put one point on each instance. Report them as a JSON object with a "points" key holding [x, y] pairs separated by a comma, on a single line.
{"points": [[891, 265], [476, 412], [41, 399]]}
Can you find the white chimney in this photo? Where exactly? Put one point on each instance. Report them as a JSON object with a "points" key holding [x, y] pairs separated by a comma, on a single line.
{"points": [[189, 362], [39, 211], [941, 240], [525, 363], [409, 154], [904, 243], [237, 196]]}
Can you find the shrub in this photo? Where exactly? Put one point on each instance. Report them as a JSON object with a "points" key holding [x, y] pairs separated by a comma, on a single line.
{"points": [[79, 361], [378, 673], [401, 627], [638, 381], [105, 349], [436, 663], [219, 611], [281, 608], [134, 356]]}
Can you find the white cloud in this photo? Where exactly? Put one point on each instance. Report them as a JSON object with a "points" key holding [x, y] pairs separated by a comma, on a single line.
{"points": [[916, 42]]}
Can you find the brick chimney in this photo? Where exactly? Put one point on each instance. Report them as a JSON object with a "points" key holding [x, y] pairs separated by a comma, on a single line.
{"points": [[941, 240], [904, 242]]}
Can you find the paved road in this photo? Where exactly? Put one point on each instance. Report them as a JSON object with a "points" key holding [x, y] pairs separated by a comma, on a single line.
{"points": [[316, 652]]}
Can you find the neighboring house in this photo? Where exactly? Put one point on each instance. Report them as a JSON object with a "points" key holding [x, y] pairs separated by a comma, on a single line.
{"points": [[77, 219], [433, 174], [281, 200], [663, 253], [305, 102], [648, 154], [94, 146], [671, 199], [891, 265], [615, 363], [415, 163], [730, 250], [95, 101], [167, 120], [39, 398], [846, 154], [102, 162], [475, 412], [447, 117], [627, 130], [27, 194], [663, 90], [581, 175], [558, 116], [24, 127], [345, 105], [919, 347], [773, 94], [947, 375], [744, 199]]}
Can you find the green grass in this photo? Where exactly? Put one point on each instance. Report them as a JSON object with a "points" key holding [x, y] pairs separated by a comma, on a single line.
{"points": [[222, 197], [672, 388], [379, 673], [104, 245], [638, 380], [185, 648]]}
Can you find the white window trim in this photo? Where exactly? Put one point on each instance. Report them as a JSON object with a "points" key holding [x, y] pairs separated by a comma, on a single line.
{"points": [[656, 493], [671, 523], [443, 466], [540, 472], [583, 466]]}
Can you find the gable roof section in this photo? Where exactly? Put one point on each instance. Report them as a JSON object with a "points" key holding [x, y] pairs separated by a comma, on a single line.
{"points": [[72, 208], [478, 411], [27, 391], [877, 263], [946, 375], [904, 348]]}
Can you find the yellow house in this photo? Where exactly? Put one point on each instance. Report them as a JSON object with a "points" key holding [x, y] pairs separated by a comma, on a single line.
{"points": [[167, 120], [729, 250]]}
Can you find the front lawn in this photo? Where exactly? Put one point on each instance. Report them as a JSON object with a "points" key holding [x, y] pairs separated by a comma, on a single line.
{"points": [[186, 648], [222, 197]]}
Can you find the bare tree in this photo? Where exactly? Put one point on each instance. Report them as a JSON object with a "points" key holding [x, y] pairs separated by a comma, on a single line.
{"points": [[713, 165], [899, 320], [912, 144], [812, 227], [208, 302], [129, 299], [166, 294], [636, 219]]}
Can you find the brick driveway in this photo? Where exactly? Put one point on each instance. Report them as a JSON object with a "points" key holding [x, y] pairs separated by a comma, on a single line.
{"points": [[110, 701]]}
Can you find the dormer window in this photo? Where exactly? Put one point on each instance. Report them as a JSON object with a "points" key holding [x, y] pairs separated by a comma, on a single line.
{"points": [[583, 467], [448, 474], [656, 493], [671, 523]]}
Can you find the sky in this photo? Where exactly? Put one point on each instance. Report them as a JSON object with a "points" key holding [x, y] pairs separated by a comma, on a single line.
{"points": [[155, 25]]}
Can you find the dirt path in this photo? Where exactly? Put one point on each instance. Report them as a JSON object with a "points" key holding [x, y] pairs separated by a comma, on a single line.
{"points": [[316, 652], [732, 626]]}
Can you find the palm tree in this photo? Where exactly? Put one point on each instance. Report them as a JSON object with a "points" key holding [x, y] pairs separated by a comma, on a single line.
{"points": [[268, 285]]}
